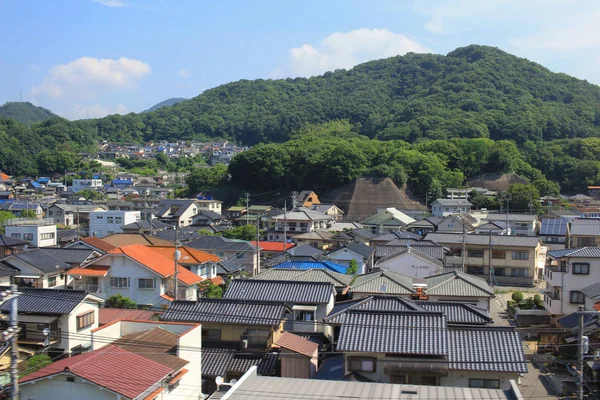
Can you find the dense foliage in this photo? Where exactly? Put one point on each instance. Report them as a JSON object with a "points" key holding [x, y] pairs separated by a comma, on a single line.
{"points": [[165, 103], [120, 301], [25, 112]]}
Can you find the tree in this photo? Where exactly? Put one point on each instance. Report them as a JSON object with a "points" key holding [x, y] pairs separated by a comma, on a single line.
{"points": [[210, 290], [517, 297], [120, 301], [242, 232], [33, 364], [352, 268], [28, 214], [4, 216], [202, 179], [523, 197], [89, 194]]}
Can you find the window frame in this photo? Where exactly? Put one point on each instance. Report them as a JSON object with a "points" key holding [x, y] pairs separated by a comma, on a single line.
{"points": [[54, 278], [580, 265], [85, 320], [211, 334], [140, 280], [477, 251], [485, 383], [496, 253], [110, 282], [521, 252], [577, 293], [351, 365]]}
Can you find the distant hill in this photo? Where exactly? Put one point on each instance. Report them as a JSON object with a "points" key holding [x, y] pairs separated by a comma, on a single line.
{"points": [[166, 103], [25, 112]]}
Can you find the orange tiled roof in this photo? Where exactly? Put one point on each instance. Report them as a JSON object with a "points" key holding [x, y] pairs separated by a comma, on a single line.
{"points": [[4, 177], [597, 306], [188, 255], [156, 262], [98, 243], [92, 270], [167, 297], [273, 246], [217, 280]]}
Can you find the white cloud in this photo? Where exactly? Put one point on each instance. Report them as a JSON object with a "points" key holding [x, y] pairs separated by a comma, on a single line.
{"points": [[86, 74], [345, 50], [111, 3], [451, 16], [184, 73], [79, 111]]}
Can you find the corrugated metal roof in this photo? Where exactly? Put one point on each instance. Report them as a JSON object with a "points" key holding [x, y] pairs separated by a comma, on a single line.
{"points": [[305, 265], [383, 281], [554, 227], [280, 291], [399, 332], [311, 275], [47, 301], [499, 240], [229, 311], [457, 284], [492, 349]]}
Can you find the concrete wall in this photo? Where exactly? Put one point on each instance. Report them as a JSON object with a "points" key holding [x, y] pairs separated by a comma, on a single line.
{"points": [[104, 223], [59, 388], [190, 386], [410, 264], [37, 233]]}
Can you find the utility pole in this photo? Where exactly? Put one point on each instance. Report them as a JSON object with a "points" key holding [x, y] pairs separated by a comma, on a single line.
{"points": [[285, 227], [294, 200], [177, 255], [12, 334], [257, 248], [77, 222], [247, 208], [580, 354], [464, 244], [490, 257]]}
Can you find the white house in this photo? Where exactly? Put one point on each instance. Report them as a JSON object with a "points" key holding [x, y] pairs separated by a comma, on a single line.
{"points": [[445, 207], [411, 262], [136, 272], [104, 223], [68, 315], [81, 184], [360, 252], [38, 232], [387, 220]]}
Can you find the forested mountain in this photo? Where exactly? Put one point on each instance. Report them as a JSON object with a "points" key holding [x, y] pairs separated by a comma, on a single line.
{"points": [[25, 112], [165, 103]]}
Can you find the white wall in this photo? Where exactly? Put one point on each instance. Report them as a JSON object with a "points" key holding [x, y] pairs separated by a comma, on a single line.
{"points": [[101, 225], [567, 281], [461, 378], [71, 336], [410, 264], [59, 388], [81, 184], [344, 256], [189, 349], [36, 232]]}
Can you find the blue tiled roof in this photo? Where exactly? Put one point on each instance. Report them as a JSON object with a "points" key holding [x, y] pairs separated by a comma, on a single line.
{"points": [[35, 184], [43, 180], [312, 265], [122, 182]]}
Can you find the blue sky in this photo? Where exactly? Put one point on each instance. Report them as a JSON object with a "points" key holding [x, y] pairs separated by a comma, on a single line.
{"points": [[83, 58]]}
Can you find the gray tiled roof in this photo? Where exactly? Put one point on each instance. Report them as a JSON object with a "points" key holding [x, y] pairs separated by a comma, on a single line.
{"points": [[393, 282], [414, 251], [396, 235], [453, 202], [218, 243], [361, 249], [585, 227], [435, 251], [47, 301], [592, 291], [7, 241], [280, 291], [457, 284], [458, 313], [220, 362], [457, 238], [515, 217], [311, 275], [492, 349], [228, 311], [145, 224], [70, 256], [582, 252], [39, 259], [418, 333], [304, 250]]}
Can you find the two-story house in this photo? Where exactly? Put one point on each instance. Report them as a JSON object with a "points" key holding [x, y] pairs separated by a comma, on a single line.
{"points": [[59, 320], [83, 184], [37, 269], [198, 262], [411, 261], [9, 245], [445, 207], [137, 272], [585, 233], [38, 232], [518, 224], [514, 259], [387, 220], [181, 212], [300, 220], [568, 273], [359, 252], [307, 302], [104, 223], [238, 252]]}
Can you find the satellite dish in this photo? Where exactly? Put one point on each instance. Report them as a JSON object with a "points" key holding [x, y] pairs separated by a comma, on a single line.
{"points": [[219, 380]]}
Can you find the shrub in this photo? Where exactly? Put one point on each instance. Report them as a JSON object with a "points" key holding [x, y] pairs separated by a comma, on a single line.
{"points": [[120, 301], [517, 297]]}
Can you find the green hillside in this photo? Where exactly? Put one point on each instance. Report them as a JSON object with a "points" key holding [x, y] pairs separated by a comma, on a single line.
{"points": [[25, 112], [165, 103]]}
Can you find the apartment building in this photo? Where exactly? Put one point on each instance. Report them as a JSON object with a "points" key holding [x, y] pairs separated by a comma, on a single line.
{"points": [[104, 223], [82, 184], [38, 232]]}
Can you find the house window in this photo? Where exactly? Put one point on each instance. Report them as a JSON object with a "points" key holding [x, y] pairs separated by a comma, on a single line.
{"points": [[47, 236], [16, 235], [118, 220], [576, 297], [499, 271], [475, 270], [146, 283], [519, 272], [362, 364], [477, 253], [110, 220], [585, 241], [484, 383], [52, 281], [211, 334], [499, 254], [305, 316], [116, 282], [85, 320], [581, 269], [257, 337], [520, 255]]}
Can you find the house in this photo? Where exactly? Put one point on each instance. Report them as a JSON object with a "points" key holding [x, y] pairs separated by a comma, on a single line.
{"points": [[92, 243], [300, 220], [514, 259], [554, 232], [9, 245], [584, 233], [305, 251], [86, 184], [424, 226], [126, 239], [18, 209], [122, 183], [137, 272], [445, 207], [145, 226], [38, 232], [492, 228], [361, 253], [68, 315], [107, 315], [308, 302], [235, 323], [332, 210], [387, 220], [459, 287], [580, 199], [181, 212], [269, 251], [321, 239], [431, 352], [209, 219], [35, 268], [6, 195], [130, 360], [426, 247], [411, 262], [198, 262], [299, 356], [569, 272], [383, 282], [456, 223], [518, 224], [243, 253], [252, 386], [388, 237], [339, 280], [307, 198], [105, 223], [234, 212], [594, 192], [73, 257]]}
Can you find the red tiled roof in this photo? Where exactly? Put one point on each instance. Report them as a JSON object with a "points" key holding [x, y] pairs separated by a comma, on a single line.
{"points": [[98, 243], [167, 297], [4, 177], [156, 262], [108, 315], [153, 395], [92, 270], [111, 367], [273, 246], [597, 306], [217, 280], [188, 255], [297, 344]]}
